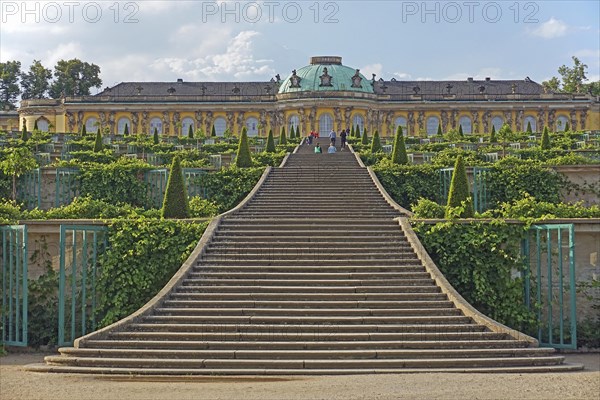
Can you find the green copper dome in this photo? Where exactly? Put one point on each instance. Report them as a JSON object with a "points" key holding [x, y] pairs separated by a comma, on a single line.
{"points": [[325, 74]]}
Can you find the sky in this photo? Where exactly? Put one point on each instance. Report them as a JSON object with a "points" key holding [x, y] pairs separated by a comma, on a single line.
{"points": [[230, 40]]}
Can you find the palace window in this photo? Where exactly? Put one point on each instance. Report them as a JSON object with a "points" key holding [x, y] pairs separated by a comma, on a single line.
{"points": [[155, 123], [294, 122], [121, 125], [42, 124], [561, 123], [467, 126], [325, 124], [432, 125], [401, 121], [185, 126], [220, 126], [91, 125], [358, 120], [531, 120], [497, 123], [252, 126]]}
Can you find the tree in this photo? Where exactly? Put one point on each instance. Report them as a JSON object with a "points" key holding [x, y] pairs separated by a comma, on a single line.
{"points": [[439, 130], [74, 78], [459, 190], [352, 132], [546, 139], [292, 133], [155, 136], [36, 82], [243, 158], [9, 84], [399, 155], [357, 132], [98, 142], [190, 132], [35, 126], [460, 130], [572, 80], [175, 203], [493, 135], [16, 162], [270, 143], [505, 133], [567, 127], [282, 138], [376, 143], [126, 130], [83, 131], [529, 130], [213, 131], [365, 138]]}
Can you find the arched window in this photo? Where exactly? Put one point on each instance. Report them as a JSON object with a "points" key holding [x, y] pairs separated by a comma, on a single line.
{"points": [[155, 123], [252, 126], [497, 123], [432, 125], [325, 124], [561, 123], [91, 125], [401, 121], [121, 125], [529, 120], [185, 126], [358, 120], [294, 122], [220, 126], [43, 125], [465, 122]]}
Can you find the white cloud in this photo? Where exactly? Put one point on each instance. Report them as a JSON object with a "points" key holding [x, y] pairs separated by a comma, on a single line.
{"points": [[402, 75], [369, 70], [551, 29]]}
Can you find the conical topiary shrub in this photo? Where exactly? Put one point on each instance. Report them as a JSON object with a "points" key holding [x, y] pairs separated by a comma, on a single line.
{"points": [[529, 130], [292, 132], [270, 143], [83, 131], [282, 138], [190, 132], [35, 126], [175, 203], [352, 132], [459, 189], [243, 158], [546, 139], [24, 135], [493, 138], [126, 130], [460, 130], [376, 143], [98, 142], [567, 127], [365, 137], [357, 132], [399, 155], [155, 136], [213, 131], [439, 130]]}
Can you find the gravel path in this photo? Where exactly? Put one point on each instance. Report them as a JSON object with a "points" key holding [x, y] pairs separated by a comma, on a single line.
{"points": [[16, 384]]}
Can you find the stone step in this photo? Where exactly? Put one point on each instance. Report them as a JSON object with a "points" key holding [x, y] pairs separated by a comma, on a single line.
{"points": [[206, 260], [304, 248], [271, 255], [428, 290], [304, 296], [306, 354], [189, 373], [201, 276], [310, 240], [300, 225], [302, 336], [356, 322], [417, 283], [308, 268], [305, 304], [467, 343], [332, 313]]}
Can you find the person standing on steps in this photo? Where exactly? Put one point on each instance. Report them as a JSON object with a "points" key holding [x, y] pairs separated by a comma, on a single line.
{"points": [[318, 148], [343, 135], [332, 136]]}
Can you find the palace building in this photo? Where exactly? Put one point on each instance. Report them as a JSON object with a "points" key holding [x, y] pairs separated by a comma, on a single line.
{"points": [[320, 96]]}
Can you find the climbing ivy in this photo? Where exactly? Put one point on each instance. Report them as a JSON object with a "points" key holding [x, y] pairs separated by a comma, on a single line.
{"points": [[143, 254]]}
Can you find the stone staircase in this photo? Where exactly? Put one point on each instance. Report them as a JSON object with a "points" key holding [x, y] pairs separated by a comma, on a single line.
{"points": [[312, 275]]}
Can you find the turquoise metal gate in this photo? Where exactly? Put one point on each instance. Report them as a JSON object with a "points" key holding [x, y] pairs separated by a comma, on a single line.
{"points": [[14, 285], [80, 247], [550, 283]]}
